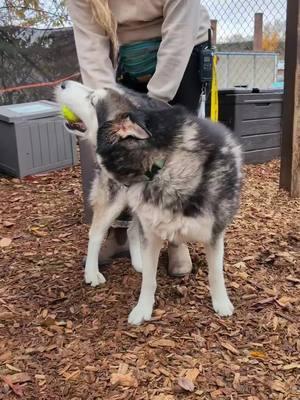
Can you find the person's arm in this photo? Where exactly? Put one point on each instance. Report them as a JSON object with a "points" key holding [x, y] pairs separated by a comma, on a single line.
{"points": [[180, 28], [92, 45]]}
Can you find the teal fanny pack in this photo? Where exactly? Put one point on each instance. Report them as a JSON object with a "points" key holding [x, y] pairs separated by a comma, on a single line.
{"points": [[138, 59]]}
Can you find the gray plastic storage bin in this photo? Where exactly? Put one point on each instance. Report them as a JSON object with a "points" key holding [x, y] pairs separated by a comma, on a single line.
{"points": [[255, 117], [33, 139]]}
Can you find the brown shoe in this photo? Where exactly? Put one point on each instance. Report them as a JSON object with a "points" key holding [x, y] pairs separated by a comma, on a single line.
{"points": [[115, 246], [180, 263]]}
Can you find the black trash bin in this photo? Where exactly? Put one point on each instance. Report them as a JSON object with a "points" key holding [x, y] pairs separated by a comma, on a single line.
{"points": [[255, 117]]}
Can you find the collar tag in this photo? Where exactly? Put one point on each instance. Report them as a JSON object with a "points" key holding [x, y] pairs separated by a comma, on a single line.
{"points": [[155, 168]]}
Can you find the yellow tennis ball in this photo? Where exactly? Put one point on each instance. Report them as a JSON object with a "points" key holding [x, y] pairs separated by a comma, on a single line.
{"points": [[69, 115]]}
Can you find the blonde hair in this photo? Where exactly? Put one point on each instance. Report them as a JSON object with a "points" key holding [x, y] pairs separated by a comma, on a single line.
{"points": [[103, 16]]}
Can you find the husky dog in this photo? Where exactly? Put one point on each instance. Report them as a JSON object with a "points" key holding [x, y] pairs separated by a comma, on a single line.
{"points": [[179, 175]]}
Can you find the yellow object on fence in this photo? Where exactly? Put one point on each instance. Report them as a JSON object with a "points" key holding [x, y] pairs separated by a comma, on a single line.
{"points": [[214, 106]]}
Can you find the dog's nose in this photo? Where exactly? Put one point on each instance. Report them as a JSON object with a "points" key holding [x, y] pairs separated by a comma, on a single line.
{"points": [[63, 85]]}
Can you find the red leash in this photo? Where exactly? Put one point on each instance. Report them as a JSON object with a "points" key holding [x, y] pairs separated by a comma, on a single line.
{"points": [[35, 85]]}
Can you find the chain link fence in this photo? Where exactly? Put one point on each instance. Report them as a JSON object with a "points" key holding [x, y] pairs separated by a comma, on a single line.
{"points": [[250, 53], [30, 56], [249, 38]]}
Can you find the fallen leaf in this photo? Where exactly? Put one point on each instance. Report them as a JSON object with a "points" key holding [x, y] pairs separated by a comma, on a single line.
{"points": [[35, 231], [127, 380], [162, 343], [163, 397], [186, 384], [257, 354], [5, 242]]}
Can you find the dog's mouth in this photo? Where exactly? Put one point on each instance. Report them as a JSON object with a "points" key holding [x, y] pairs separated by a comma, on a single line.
{"points": [[76, 126]]}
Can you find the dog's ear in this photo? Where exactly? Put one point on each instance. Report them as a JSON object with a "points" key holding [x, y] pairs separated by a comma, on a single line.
{"points": [[133, 125]]}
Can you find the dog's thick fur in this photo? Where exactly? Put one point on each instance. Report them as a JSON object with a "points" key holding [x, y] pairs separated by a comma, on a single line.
{"points": [[193, 197]]}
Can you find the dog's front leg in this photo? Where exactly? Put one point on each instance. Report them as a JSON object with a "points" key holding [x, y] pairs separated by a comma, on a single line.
{"points": [[103, 216], [134, 235], [215, 255], [150, 253]]}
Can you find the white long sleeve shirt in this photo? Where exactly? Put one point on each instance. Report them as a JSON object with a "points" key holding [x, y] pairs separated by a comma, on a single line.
{"points": [[181, 24]]}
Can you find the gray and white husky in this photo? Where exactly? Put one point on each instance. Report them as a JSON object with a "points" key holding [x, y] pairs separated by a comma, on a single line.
{"points": [[179, 175]]}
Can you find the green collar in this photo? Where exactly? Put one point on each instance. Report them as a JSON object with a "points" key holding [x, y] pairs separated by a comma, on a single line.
{"points": [[155, 168]]}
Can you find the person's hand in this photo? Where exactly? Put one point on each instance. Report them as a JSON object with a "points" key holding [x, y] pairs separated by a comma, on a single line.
{"points": [[157, 102]]}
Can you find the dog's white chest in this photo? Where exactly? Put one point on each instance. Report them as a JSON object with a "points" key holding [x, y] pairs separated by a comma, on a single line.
{"points": [[175, 228]]}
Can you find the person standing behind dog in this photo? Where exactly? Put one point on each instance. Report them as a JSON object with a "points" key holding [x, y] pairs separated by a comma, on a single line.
{"points": [[150, 46]]}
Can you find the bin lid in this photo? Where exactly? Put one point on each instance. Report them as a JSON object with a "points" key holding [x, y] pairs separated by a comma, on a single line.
{"points": [[242, 90], [244, 95], [27, 111]]}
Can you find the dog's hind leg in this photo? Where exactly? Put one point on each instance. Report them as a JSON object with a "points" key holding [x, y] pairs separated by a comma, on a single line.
{"points": [[215, 254], [150, 254], [103, 217], [135, 238]]}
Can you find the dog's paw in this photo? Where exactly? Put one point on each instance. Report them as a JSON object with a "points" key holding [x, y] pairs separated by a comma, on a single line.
{"points": [[223, 307], [139, 314], [94, 278]]}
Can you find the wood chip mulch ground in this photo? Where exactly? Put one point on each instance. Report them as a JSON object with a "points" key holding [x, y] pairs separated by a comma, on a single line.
{"points": [[61, 339]]}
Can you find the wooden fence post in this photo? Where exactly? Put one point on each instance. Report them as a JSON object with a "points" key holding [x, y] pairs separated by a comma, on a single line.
{"points": [[258, 32], [214, 27], [290, 148]]}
